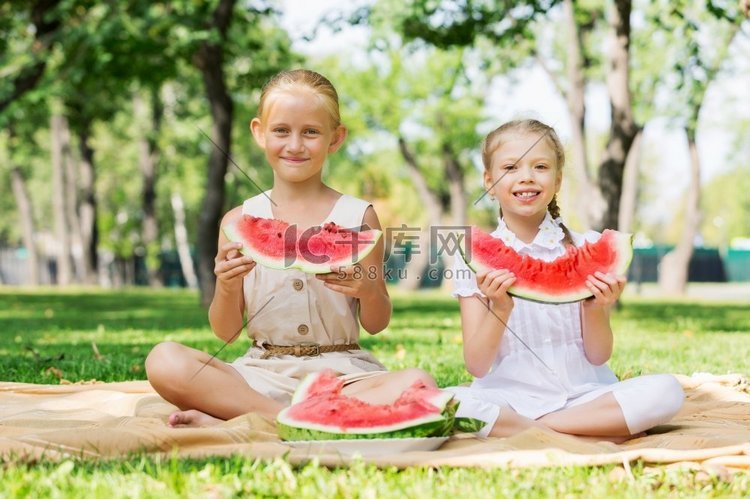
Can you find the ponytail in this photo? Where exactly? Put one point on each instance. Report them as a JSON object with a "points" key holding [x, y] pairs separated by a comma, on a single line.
{"points": [[554, 211]]}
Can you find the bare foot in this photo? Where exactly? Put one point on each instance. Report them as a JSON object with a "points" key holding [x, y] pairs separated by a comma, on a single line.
{"points": [[192, 419]]}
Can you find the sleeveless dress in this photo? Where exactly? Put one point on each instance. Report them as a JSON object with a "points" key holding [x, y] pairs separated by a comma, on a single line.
{"points": [[302, 310]]}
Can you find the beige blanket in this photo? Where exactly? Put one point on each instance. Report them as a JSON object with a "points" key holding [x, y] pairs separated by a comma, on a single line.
{"points": [[103, 420]]}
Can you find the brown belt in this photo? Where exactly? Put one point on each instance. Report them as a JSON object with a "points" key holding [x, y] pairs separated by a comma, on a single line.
{"points": [[303, 349]]}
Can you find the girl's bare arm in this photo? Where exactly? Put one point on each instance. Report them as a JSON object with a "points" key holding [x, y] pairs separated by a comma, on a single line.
{"points": [[228, 305]]}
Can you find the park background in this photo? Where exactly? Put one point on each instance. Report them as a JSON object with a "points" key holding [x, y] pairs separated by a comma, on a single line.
{"points": [[113, 120], [116, 117]]}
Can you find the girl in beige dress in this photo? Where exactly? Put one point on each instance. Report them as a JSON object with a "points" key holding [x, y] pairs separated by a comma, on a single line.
{"points": [[300, 323]]}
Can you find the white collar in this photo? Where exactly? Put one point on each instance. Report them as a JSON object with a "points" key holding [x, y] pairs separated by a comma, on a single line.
{"points": [[549, 236]]}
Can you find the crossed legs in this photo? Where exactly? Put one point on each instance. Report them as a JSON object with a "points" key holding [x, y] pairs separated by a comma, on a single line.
{"points": [[599, 419], [615, 413], [215, 394], [219, 393]]}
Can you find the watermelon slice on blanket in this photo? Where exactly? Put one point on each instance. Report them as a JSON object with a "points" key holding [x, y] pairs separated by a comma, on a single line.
{"points": [[319, 411], [562, 280], [278, 245]]}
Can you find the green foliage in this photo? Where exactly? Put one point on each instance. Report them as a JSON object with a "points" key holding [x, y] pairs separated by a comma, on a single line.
{"points": [[447, 24], [430, 98], [43, 330], [692, 39]]}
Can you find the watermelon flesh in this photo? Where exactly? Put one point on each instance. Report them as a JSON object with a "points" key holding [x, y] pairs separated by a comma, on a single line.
{"points": [[319, 411], [278, 245], [562, 280]]}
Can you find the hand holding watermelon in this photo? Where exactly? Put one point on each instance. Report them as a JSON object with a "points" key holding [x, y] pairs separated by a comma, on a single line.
{"points": [[494, 284], [353, 280], [606, 289], [231, 266]]}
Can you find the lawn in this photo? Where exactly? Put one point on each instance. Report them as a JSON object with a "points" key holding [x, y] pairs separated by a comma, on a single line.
{"points": [[48, 336]]}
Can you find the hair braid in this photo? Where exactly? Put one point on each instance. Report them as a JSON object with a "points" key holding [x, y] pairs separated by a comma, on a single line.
{"points": [[554, 211]]}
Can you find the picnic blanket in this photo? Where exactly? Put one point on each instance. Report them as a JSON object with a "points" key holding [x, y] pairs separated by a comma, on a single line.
{"points": [[107, 420]]}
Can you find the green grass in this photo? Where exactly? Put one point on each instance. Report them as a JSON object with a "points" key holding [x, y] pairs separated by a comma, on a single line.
{"points": [[79, 335]]}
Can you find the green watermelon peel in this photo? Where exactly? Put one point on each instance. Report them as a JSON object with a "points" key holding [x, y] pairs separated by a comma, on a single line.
{"points": [[560, 281], [276, 245]]}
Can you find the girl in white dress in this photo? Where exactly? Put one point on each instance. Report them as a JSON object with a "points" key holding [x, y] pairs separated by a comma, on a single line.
{"points": [[544, 364], [299, 323]]}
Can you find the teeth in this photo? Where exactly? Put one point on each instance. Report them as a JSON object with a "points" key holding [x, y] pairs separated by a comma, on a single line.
{"points": [[526, 194]]}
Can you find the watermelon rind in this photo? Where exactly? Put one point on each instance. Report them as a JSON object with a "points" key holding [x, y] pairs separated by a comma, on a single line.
{"points": [[300, 393], [424, 430], [624, 247], [468, 425], [232, 234], [438, 425]]}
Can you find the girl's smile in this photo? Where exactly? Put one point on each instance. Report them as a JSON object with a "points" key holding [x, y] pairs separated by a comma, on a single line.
{"points": [[297, 135], [526, 195], [524, 177], [293, 160]]}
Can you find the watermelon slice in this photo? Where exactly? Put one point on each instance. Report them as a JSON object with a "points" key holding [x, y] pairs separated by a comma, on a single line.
{"points": [[319, 411], [562, 280], [278, 245]]}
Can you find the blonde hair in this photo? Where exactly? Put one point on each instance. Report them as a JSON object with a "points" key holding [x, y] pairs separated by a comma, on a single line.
{"points": [[305, 80], [494, 140]]}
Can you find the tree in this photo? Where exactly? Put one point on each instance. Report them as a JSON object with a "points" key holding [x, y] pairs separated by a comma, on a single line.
{"points": [[424, 102], [46, 24], [103, 56], [580, 21], [210, 57], [623, 128], [696, 64], [25, 208], [503, 23]]}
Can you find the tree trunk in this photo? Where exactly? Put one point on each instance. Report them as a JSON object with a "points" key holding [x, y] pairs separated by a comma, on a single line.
{"points": [[623, 128], [457, 190], [72, 206], [26, 216], [209, 59], [629, 197], [587, 198], [456, 187], [88, 204], [415, 267], [58, 125], [182, 242], [148, 154], [673, 269]]}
